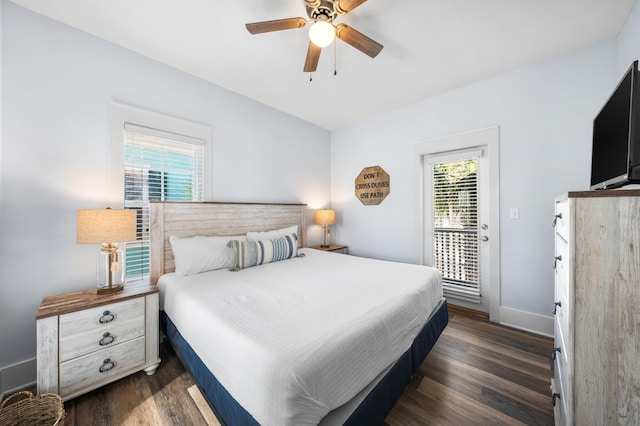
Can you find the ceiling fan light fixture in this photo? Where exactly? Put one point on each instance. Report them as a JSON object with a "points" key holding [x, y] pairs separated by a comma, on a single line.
{"points": [[322, 33]]}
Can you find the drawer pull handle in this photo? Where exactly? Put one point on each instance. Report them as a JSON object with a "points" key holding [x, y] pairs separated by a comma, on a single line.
{"points": [[555, 352], [555, 261], [107, 317], [555, 306], [554, 397], [555, 219], [107, 365], [107, 339]]}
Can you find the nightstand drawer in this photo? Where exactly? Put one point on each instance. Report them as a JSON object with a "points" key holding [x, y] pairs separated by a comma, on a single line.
{"points": [[90, 371], [93, 329]]}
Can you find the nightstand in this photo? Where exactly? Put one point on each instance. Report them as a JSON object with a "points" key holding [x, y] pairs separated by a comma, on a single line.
{"points": [[86, 340], [336, 248]]}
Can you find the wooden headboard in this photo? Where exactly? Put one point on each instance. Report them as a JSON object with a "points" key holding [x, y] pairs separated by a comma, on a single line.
{"points": [[188, 219]]}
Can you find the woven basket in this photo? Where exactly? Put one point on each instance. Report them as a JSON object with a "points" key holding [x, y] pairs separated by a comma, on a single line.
{"points": [[25, 409]]}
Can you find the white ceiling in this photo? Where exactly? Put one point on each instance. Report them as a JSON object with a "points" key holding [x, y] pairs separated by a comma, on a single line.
{"points": [[430, 46]]}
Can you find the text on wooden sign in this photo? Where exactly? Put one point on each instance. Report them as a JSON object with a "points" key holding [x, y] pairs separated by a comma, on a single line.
{"points": [[372, 185]]}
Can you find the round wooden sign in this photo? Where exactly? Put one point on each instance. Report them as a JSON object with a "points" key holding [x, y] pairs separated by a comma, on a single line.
{"points": [[372, 185]]}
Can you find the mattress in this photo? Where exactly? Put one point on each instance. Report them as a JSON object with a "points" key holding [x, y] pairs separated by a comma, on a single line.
{"points": [[293, 340]]}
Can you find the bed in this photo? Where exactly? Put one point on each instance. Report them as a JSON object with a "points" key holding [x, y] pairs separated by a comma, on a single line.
{"points": [[318, 338]]}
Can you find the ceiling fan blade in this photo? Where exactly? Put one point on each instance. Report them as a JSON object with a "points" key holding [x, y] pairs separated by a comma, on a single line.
{"points": [[313, 55], [346, 6], [358, 40], [276, 25]]}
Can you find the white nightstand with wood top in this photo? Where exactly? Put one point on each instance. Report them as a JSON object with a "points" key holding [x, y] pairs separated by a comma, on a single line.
{"points": [[86, 340], [336, 248]]}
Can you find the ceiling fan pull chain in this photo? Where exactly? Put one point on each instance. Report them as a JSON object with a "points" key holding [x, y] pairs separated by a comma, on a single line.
{"points": [[310, 76]]}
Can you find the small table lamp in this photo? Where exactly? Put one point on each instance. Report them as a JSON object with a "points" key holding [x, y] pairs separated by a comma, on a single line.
{"points": [[106, 227], [325, 218]]}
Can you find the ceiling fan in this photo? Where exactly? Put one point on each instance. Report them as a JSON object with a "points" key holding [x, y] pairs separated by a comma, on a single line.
{"points": [[322, 14]]}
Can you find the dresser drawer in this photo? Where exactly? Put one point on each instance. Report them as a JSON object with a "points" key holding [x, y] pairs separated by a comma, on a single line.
{"points": [[562, 370], [561, 265], [93, 329], [84, 373], [558, 388], [562, 219], [560, 340], [562, 317]]}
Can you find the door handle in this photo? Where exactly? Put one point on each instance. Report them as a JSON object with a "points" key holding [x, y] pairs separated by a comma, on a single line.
{"points": [[485, 238]]}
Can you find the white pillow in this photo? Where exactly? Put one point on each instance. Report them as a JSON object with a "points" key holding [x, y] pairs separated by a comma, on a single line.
{"points": [[272, 235], [193, 255]]}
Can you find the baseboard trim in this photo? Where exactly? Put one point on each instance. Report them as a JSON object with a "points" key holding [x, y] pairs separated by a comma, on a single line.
{"points": [[456, 308], [527, 321], [17, 377]]}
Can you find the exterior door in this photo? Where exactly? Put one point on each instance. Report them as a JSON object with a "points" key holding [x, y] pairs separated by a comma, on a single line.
{"points": [[460, 233]]}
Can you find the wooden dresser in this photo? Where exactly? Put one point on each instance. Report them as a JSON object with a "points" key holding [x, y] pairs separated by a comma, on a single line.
{"points": [[597, 308], [86, 340]]}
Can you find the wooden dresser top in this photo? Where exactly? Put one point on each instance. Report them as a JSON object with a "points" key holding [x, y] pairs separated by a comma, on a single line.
{"points": [[76, 301], [605, 193]]}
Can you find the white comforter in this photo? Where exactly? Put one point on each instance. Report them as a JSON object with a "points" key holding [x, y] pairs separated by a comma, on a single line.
{"points": [[293, 340]]}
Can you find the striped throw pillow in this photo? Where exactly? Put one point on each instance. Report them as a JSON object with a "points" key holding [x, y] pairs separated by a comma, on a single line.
{"points": [[252, 253]]}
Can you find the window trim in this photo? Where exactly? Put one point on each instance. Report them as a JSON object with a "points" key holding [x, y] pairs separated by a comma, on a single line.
{"points": [[120, 113]]}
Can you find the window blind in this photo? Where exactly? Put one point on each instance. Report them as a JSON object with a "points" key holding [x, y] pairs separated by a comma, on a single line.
{"points": [[455, 228], [158, 166]]}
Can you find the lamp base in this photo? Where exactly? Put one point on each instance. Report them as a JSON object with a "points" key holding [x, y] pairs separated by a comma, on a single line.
{"points": [[325, 236], [115, 288]]}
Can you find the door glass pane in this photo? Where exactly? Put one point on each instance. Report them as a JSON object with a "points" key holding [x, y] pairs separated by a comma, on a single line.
{"points": [[455, 227]]}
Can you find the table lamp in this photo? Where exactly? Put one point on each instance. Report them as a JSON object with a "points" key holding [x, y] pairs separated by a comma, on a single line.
{"points": [[107, 227], [325, 218]]}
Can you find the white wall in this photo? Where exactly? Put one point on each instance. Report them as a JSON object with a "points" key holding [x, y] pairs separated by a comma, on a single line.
{"points": [[58, 83], [628, 42], [545, 114], [1, 8]]}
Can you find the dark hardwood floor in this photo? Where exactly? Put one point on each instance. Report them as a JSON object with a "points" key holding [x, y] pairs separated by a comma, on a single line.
{"points": [[478, 373]]}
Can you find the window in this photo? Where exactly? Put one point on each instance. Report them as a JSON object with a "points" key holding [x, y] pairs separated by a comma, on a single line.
{"points": [[158, 166], [154, 156]]}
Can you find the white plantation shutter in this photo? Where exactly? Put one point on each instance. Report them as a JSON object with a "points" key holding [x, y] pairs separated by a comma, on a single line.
{"points": [[455, 226], [159, 166]]}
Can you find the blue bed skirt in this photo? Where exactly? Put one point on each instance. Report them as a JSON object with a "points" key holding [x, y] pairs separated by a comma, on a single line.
{"points": [[373, 409]]}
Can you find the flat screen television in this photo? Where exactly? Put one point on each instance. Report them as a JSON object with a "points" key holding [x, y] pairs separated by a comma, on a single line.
{"points": [[615, 155]]}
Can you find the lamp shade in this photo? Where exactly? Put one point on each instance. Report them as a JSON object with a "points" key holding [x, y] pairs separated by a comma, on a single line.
{"points": [[324, 217], [105, 226], [322, 33]]}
